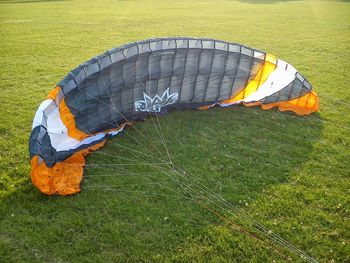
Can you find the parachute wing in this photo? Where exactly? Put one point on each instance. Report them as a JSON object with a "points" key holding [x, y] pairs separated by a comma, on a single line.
{"points": [[126, 83]]}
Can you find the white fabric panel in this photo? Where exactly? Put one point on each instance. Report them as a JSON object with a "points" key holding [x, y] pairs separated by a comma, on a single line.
{"points": [[113, 133], [281, 77], [58, 133], [229, 104], [39, 113]]}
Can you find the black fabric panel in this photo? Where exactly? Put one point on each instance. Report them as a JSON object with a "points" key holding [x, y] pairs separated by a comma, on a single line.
{"points": [[42, 147], [294, 90]]}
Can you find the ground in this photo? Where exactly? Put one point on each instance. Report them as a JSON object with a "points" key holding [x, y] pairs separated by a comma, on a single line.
{"points": [[289, 173]]}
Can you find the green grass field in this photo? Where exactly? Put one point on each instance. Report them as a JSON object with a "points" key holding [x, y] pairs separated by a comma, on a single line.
{"points": [[290, 173]]}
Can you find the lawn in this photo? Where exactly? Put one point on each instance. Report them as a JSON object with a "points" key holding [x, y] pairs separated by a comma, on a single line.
{"points": [[289, 173]]}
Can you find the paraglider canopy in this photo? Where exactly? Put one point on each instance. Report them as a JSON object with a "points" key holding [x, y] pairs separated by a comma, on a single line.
{"points": [[127, 83]]}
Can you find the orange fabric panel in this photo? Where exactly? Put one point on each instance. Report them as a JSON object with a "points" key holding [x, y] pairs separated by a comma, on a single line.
{"points": [[67, 117], [304, 105], [53, 93], [270, 58], [259, 79], [252, 104], [267, 68], [205, 107], [63, 178], [121, 126], [69, 121]]}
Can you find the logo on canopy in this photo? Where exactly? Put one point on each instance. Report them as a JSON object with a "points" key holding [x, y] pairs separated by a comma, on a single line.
{"points": [[156, 103]]}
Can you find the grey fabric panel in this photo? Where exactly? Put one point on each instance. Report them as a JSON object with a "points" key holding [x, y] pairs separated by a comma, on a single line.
{"points": [[129, 70], [247, 51], [139, 89], [131, 51], [116, 76], [255, 66], [307, 85], [297, 88], [199, 70], [105, 62], [163, 84], [117, 56], [230, 74], [40, 144], [216, 75], [242, 75], [154, 65], [69, 86], [81, 75], [115, 107], [285, 93], [190, 76], [294, 90], [179, 63], [92, 90], [76, 101], [179, 67], [271, 98], [167, 65], [127, 100], [204, 71], [43, 148], [92, 69], [175, 83]]}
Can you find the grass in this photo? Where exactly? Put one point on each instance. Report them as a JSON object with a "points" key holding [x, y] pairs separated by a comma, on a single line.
{"points": [[290, 173]]}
